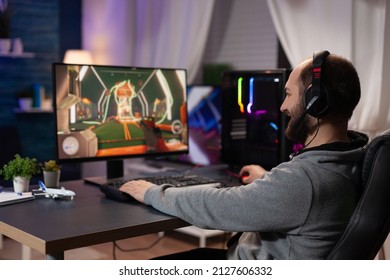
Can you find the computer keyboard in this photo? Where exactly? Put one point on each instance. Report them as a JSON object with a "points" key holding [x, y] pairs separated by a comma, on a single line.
{"points": [[112, 191]]}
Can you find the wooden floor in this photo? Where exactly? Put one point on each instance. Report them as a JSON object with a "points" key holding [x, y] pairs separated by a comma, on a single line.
{"points": [[137, 248]]}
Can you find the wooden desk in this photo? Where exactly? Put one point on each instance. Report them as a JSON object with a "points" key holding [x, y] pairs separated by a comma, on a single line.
{"points": [[54, 226]]}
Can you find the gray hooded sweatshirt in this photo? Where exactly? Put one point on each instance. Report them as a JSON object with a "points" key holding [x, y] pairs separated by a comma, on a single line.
{"points": [[297, 211]]}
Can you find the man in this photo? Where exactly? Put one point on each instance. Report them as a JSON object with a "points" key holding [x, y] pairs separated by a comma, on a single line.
{"points": [[299, 209]]}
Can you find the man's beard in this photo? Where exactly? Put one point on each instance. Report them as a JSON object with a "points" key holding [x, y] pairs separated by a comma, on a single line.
{"points": [[295, 131]]}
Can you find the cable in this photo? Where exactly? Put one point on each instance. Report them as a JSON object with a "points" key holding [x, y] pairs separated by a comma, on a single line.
{"points": [[116, 246], [315, 135]]}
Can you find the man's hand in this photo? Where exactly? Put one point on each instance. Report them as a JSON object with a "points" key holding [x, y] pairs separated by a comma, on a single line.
{"points": [[249, 173], [136, 189]]}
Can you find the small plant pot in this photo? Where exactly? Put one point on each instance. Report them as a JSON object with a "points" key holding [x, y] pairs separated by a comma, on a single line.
{"points": [[21, 184], [52, 178]]}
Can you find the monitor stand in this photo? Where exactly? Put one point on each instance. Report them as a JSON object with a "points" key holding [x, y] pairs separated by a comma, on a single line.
{"points": [[114, 170]]}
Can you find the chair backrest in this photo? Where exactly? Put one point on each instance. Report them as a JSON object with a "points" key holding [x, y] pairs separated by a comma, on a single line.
{"points": [[370, 223]]}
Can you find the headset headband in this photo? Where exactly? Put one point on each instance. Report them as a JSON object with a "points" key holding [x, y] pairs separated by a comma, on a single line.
{"points": [[318, 59]]}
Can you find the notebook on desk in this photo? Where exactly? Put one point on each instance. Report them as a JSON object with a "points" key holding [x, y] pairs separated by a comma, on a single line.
{"points": [[7, 198]]}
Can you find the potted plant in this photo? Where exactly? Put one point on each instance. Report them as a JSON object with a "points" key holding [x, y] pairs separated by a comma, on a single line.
{"points": [[51, 174], [5, 23], [20, 170]]}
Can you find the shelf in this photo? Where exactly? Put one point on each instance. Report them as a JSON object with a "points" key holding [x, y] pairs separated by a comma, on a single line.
{"points": [[18, 55], [33, 110]]}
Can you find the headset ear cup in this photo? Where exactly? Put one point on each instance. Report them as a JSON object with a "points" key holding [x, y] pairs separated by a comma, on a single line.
{"points": [[308, 96], [310, 104], [323, 103], [316, 107]]}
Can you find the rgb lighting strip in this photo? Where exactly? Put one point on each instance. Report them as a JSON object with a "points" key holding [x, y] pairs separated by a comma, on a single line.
{"points": [[249, 106], [239, 99]]}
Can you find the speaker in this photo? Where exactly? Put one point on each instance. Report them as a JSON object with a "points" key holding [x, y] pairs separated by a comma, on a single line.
{"points": [[316, 96]]}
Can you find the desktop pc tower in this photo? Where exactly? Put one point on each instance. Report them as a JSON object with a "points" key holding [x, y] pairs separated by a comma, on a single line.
{"points": [[252, 124]]}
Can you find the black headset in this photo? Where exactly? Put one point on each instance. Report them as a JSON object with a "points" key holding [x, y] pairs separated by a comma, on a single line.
{"points": [[316, 96]]}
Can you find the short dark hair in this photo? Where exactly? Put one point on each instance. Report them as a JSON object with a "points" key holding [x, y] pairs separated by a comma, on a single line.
{"points": [[341, 80]]}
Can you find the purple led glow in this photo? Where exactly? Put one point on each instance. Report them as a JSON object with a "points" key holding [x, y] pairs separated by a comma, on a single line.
{"points": [[261, 112]]}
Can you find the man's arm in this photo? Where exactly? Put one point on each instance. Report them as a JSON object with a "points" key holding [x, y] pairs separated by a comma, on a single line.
{"points": [[249, 173]]}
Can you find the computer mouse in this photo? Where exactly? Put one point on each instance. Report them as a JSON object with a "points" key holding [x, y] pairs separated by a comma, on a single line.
{"points": [[244, 176]]}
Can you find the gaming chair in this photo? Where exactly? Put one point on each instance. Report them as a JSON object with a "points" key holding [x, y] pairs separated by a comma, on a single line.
{"points": [[370, 223]]}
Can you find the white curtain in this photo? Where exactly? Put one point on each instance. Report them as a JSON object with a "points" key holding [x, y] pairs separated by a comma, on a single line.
{"points": [[354, 29], [147, 33]]}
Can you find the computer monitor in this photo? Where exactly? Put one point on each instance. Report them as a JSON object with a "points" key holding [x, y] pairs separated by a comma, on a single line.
{"points": [[252, 123], [204, 122], [114, 112]]}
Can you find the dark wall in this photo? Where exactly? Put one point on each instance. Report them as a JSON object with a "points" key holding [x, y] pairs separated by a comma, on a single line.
{"points": [[70, 25], [47, 28]]}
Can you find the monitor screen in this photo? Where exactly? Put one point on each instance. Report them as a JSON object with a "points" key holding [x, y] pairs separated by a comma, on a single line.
{"points": [[116, 112], [204, 117], [252, 123]]}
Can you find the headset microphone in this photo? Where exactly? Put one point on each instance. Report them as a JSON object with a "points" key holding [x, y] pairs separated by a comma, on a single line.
{"points": [[301, 117], [299, 120]]}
